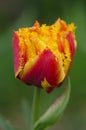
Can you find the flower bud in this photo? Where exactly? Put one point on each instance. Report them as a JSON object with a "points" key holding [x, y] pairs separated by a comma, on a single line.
{"points": [[43, 54]]}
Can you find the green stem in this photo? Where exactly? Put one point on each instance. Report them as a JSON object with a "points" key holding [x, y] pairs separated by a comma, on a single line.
{"points": [[36, 98]]}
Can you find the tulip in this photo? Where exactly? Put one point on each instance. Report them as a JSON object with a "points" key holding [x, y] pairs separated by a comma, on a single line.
{"points": [[43, 54]]}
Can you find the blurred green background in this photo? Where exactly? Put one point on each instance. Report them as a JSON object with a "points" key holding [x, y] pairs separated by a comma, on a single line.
{"points": [[23, 13]]}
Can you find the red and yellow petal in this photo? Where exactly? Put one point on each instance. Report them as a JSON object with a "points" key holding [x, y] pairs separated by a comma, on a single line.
{"points": [[46, 69], [16, 53], [19, 52], [72, 43]]}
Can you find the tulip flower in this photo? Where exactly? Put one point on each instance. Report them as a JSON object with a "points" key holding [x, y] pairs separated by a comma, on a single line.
{"points": [[43, 54]]}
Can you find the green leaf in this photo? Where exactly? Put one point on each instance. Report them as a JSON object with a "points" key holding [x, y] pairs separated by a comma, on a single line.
{"points": [[27, 114], [5, 125], [55, 111]]}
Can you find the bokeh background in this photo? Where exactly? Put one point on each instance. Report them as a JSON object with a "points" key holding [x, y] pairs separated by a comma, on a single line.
{"points": [[23, 13]]}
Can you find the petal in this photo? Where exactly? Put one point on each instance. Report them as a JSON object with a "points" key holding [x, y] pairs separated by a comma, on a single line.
{"points": [[72, 43], [16, 53], [19, 52], [46, 67]]}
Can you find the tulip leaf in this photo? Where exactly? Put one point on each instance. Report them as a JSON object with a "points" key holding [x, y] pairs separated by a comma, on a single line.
{"points": [[55, 111], [5, 125]]}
